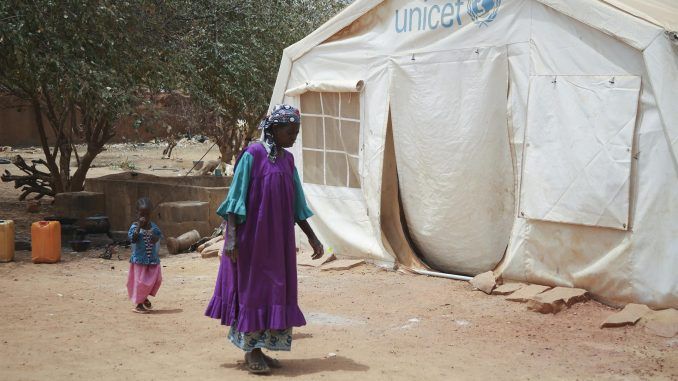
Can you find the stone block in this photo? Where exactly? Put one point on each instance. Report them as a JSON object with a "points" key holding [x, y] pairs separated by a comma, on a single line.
{"points": [[555, 300], [210, 243], [213, 250], [484, 282], [342, 264], [526, 293], [183, 211], [508, 288], [628, 316]]}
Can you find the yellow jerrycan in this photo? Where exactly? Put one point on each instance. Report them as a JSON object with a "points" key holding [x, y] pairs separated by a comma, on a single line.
{"points": [[46, 241], [6, 240]]}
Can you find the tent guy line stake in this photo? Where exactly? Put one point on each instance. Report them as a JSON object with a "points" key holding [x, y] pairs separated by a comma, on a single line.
{"points": [[443, 275]]}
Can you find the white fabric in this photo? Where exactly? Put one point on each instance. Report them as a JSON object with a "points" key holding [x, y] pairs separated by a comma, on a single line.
{"points": [[442, 142], [578, 149], [607, 38], [662, 71], [596, 14], [660, 12], [331, 86]]}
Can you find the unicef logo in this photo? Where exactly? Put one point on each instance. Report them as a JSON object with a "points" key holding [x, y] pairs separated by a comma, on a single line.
{"points": [[483, 12]]}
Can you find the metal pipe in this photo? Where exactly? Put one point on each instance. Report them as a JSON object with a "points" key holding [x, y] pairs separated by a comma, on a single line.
{"points": [[442, 275]]}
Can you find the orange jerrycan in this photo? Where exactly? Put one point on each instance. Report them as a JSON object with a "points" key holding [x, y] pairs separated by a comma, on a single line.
{"points": [[46, 241], [6, 240]]}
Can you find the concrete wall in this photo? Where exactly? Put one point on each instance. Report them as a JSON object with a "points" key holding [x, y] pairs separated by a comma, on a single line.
{"points": [[123, 190]]}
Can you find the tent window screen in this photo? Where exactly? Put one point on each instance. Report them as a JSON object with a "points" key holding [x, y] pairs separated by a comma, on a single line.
{"points": [[578, 141], [330, 137]]}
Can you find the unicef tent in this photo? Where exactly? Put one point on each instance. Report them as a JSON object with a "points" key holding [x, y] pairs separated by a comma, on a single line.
{"points": [[535, 138]]}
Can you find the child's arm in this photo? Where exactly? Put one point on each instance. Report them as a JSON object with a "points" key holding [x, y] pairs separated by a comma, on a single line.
{"points": [[133, 233]]}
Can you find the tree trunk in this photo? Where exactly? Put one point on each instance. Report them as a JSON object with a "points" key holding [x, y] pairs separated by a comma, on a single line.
{"points": [[100, 133], [78, 179], [50, 160], [65, 162]]}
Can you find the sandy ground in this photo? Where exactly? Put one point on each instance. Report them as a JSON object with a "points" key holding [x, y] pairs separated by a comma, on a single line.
{"points": [[72, 321]]}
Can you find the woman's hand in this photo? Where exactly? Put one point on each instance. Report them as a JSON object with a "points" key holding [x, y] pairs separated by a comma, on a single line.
{"points": [[232, 254], [230, 238], [318, 249], [317, 246]]}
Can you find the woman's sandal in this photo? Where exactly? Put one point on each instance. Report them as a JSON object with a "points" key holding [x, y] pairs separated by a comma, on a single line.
{"points": [[256, 367], [140, 309], [147, 304], [271, 362]]}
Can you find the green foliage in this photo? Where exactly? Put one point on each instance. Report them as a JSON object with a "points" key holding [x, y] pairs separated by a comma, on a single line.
{"points": [[96, 54], [231, 53], [84, 64]]}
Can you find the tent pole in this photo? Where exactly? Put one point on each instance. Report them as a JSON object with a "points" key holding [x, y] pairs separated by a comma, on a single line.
{"points": [[442, 275]]}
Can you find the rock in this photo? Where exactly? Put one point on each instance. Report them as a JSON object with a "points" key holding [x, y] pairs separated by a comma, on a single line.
{"points": [[628, 316], [304, 259], [662, 323], [526, 293], [508, 288], [213, 250], [555, 300], [211, 242], [484, 282], [342, 264]]}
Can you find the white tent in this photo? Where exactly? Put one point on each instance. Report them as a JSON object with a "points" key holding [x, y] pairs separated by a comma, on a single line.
{"points": [[535, 138]]}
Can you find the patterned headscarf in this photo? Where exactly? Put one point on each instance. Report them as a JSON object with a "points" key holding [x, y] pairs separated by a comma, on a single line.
{"points": [[280, 115]]}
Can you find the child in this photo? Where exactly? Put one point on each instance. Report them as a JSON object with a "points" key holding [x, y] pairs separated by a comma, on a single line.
{"points": [[144, 277], [256, 290]]}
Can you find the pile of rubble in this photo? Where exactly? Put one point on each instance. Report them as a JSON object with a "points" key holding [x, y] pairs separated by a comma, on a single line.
{"points": [[545, 299]]}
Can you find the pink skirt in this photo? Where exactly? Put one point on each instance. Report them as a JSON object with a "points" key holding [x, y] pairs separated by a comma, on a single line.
{"points": [[142, 281]]}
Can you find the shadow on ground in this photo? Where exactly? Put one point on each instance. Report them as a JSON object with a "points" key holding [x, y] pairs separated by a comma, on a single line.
{"points": [[300, 367]]}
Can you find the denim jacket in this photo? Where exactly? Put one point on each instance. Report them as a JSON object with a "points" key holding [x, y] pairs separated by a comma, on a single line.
{"points": [[139, 254]]}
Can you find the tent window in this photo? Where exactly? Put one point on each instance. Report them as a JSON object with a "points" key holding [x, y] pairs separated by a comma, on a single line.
{"points": [[331, 138], [578, 141]]}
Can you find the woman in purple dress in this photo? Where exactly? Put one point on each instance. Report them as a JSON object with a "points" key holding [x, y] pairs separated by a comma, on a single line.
{"points": [[256, 289]]}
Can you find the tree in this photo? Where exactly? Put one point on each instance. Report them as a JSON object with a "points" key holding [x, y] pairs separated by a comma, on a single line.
{"points": [[81, 66], [231, 55], [84, 65]]}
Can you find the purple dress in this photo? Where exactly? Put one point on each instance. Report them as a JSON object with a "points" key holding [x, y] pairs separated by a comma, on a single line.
{"points": [[257, 295]]}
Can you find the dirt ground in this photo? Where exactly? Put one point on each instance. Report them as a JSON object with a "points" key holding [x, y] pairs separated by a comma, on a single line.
{"points": [[72, 321]]}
